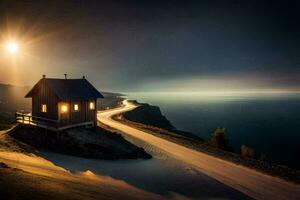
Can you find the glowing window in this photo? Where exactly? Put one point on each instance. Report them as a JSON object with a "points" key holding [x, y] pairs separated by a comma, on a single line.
{"points": [[76, 107], [44, 108], [92, 106], [64, 108]]}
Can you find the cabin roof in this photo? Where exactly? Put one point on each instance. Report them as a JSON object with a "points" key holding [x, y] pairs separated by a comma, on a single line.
{"points": [[69, 89]]}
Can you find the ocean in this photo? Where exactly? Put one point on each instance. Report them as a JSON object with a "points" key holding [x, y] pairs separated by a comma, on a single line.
{"points": [[268, 123]]}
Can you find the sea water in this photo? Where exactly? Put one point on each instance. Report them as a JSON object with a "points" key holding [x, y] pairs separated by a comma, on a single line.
{"points": [[269, 123]]}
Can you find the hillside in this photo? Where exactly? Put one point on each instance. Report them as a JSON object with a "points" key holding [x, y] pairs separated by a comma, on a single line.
{"points": [[110, 100], [12, 98]]}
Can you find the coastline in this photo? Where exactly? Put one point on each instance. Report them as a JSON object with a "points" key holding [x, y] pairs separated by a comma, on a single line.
{"points": [[202, 146], [251, 182], [225, 169]]}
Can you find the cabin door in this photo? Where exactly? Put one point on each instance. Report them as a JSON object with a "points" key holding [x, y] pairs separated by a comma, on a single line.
{"points": [[64, 113]]}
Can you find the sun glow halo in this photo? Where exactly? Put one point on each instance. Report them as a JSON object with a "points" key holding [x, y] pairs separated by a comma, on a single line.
{"points": [[12, 47]]}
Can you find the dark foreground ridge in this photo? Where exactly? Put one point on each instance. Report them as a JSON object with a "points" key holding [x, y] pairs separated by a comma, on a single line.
{"points": [[94, 143]]}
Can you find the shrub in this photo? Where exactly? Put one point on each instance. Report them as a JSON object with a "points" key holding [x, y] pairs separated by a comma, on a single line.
{"points": [[247, 152], [251, 153], [219, 139], [262, 157]]}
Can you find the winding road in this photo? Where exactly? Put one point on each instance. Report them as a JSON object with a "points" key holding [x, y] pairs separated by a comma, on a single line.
{"points": [[248, 181]]}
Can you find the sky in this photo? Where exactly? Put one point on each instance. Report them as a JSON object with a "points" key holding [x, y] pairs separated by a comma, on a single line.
{"points": [[154, 46]]}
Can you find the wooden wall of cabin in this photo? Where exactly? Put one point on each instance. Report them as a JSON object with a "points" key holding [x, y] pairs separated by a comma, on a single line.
{"points": [[43, 95], [84, 113], [90, 114]]}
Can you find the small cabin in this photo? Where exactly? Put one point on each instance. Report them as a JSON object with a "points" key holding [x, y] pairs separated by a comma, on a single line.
{"points": [[64, 102]]}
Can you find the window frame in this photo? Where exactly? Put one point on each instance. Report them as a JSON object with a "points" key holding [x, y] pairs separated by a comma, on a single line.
{"points": [[92, 105], [74, 105], [67, 108], [44, 108]]}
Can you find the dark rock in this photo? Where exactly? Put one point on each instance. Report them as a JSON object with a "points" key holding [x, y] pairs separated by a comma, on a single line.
{"points": [[94, 143], [149, 115]]}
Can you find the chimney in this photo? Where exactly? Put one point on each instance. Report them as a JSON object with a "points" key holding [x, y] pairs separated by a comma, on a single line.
{"points": [[44, 76], [65, 76], [83, 77]]}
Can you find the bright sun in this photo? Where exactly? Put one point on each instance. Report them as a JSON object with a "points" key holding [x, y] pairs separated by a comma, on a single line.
{"points": [[12, 47]]}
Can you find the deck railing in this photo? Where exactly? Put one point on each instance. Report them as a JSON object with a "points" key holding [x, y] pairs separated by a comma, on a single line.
{"points": [[27, 118]]}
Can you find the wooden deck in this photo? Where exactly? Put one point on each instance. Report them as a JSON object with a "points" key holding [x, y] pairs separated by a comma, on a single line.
{"points": [[55, 125]]}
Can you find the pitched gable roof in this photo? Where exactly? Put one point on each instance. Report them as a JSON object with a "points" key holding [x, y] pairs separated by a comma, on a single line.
{"points": [[70, 89]]}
